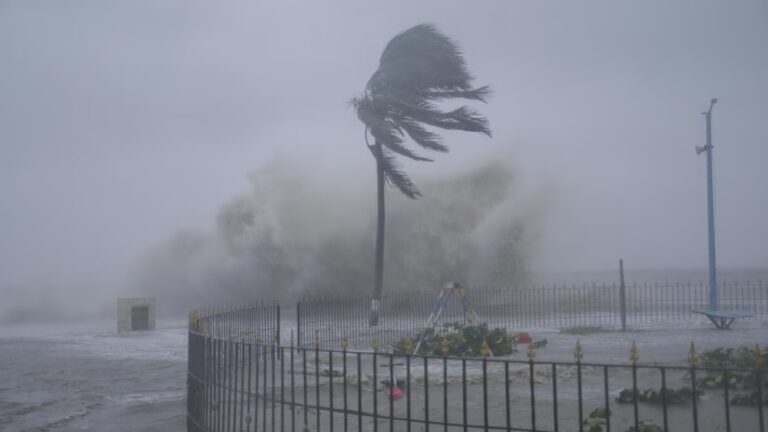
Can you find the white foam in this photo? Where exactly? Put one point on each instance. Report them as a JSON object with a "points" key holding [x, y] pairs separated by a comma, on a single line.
{"points": [[148, 398], [168, 342]]}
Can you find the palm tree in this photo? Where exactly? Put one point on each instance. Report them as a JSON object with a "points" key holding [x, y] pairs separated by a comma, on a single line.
{"points": [[418, 69]]}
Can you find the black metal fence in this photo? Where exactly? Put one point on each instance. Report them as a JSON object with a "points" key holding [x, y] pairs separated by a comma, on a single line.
{"points": [[524, 308], [242, 378], [211, 361]]}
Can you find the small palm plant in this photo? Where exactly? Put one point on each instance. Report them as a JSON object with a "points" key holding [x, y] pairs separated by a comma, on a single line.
{"points": [[419, 69]]}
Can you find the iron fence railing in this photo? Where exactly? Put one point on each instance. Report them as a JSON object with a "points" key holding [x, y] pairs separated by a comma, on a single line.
{"points": [[597, 305], [209, 357], [243, 377]]}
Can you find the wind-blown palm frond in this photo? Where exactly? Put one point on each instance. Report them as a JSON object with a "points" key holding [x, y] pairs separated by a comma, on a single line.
{"points": [[385, 131], [421, 58], [462, 118], [393, 174], [480, 94], [420, 135], [417, 68]]}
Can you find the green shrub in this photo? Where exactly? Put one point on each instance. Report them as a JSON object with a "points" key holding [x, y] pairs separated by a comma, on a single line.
{"points": [[646, 426], [463, 340], [743, 383], [596, 420], [673, 396], [741, 357]]}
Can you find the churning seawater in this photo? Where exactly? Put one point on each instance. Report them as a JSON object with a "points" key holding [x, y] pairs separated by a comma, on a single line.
{"points": [[75, 377]]}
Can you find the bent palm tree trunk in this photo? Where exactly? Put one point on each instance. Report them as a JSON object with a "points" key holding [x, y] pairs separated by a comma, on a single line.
{"points": [[378, 276]]}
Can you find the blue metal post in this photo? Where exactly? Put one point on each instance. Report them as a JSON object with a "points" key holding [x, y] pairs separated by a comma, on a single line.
{"points": [[711, 213]]}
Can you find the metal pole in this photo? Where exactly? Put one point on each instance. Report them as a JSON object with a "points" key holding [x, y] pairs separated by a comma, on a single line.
{"points": [[711, 212]]}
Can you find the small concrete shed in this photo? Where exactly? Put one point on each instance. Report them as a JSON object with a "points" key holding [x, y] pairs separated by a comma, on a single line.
{"points": [[134, 314]]}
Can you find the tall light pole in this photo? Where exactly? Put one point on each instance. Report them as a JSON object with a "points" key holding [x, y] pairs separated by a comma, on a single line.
{"points": [[710, 209]]}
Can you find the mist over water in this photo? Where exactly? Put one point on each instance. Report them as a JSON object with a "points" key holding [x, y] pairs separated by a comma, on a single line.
{"points": [[292, 235]]}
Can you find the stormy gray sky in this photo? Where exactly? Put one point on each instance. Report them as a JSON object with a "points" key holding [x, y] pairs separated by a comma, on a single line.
{"points": [[123, 122]]}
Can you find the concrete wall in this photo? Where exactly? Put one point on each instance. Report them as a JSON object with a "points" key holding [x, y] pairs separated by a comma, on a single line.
{"points": [[124, 306]]}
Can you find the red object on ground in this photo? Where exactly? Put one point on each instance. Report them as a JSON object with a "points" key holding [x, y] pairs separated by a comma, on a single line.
{"points": [[524, 337], [395, 393]]}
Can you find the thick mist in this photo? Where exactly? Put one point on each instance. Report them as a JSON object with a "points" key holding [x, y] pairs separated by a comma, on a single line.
{"points": [[126, 129], [292, 235]]}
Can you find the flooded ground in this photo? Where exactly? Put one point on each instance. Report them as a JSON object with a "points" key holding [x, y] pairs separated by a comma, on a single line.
{"points": [[454, 392], [87, 377]]}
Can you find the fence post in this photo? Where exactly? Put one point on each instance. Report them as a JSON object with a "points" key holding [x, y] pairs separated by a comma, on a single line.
{"points": [[622, 296], [298, 323], [277, 331]]}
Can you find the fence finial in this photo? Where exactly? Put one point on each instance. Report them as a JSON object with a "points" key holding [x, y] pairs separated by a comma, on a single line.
{"points": [[317, 339], [375, 344], [578, 353], [693, 357], [759, 357], [634, 354], [344, 342], [485, 350], [531, 351], [445, 347], [408, 345]]}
